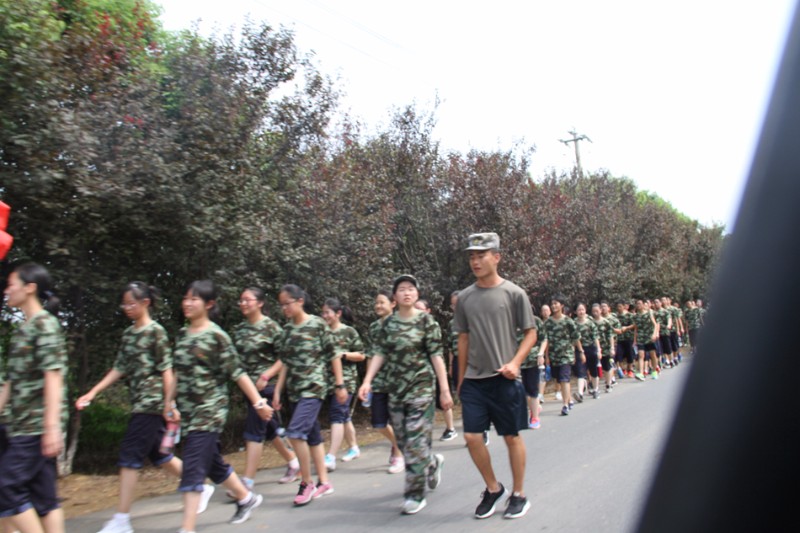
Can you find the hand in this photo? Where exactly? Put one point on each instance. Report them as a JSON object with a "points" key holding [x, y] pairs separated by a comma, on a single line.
{"points": [[171, 414], [261, 382], [509, 371], [363, 391], [265, 412], [341, 395], [276, 400], [84, 401], [52, 442], [446, 400]]}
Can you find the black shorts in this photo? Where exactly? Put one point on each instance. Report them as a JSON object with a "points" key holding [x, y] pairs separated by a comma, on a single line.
{"points": [[27, 478], [666, 344], [379, 411], [202, 458], [591, 359], [673, 339], [142, 440], [530, 381], [255, 428], [579, 368], [496, 400], [561, 373], [625, 351]]}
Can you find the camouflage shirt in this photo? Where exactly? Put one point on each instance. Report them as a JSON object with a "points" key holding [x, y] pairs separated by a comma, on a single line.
{"points": [[613, 321], [561, 337], [408, 346], [204, 363], [378, 383], [588, 331], [677, 314], [662, 318], [533, 357], [625, 320], [37, 346], [644, 327], [606, 334], [306, 351], [255, 344], [143, 356], [346, 339], [694, 318]]}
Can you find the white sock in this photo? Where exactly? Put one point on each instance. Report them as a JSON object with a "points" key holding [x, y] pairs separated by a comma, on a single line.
{"points": [[123, 516], [247, 498], [294, 463]]}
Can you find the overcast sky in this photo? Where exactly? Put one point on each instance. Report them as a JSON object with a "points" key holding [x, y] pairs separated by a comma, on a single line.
{"points": [[671, 95]]}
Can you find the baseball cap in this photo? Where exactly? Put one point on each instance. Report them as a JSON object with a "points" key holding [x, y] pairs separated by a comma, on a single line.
{"points": [[401, 278], [483, 241]]}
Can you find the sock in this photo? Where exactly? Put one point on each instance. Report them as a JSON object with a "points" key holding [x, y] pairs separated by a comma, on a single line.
{"points": [[294, 463], [247, 482], [246, 498], [123, 516]]}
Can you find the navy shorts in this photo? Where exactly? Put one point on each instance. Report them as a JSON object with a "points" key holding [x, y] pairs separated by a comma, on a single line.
{"points": [[304, 424], [625, 351], [496, 400], [379, 412], [27, 478], [142, 440], [605, 363], [530, 380], [666, 344], [256, 429], [202, 459], [578, 368], [561, 373], [591, 359], [339, 413]]}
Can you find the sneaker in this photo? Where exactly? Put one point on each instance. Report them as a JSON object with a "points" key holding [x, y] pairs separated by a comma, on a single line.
{"points": [[205, 496], [516, 507], [485, 438], [639, 376], [488, 503], [541, 399], [449, 434], [654, 375], [330, 462], [323, 489], [413, 506], [535, 423], [564, 411], [290, 475], [558, 396], [117, 525], [397, 465], [352, 453], [608, 389], [434, 476], [590, 391], [594, 394], [243, 510], [629, 373], [578, 397], [305, 493], [571, 405]]}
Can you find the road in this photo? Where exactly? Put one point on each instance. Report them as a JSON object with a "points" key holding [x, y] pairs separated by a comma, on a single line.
{"points": [[586, 472]]}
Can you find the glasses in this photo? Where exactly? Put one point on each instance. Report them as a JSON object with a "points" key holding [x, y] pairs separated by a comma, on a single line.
{"points": [[287, 304], [244, 301], [128, 306]]}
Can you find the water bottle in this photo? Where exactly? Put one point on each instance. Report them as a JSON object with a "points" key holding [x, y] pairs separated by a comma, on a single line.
{"points": [[368, 401], [542, 374], [547, 374], [171, 437], [599, 369]]}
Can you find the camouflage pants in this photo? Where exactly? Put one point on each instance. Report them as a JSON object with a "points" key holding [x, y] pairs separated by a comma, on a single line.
{"points": [[413, 427]]}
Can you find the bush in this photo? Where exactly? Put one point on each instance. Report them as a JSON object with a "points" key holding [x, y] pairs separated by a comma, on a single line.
{"points": [[102, 428]]}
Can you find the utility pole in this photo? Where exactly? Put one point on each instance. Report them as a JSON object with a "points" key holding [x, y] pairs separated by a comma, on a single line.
{"points": [[575, 139]]}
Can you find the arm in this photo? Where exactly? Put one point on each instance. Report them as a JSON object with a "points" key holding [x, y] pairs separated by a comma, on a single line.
{"points": [[276, 397], [270, 373], [338, 380], [4, 394], [52, 440], [108, 380], [260, 404], [543, 357], [353, 357], [445, 398], [463, 350], [375, 364], [510, 370]]}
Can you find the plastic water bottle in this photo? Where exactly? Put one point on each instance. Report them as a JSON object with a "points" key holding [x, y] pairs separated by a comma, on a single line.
{"points": [[171, 437], [542, 374], [368, 401]]}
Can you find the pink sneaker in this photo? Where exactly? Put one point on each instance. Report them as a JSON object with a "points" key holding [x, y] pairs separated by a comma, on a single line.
{"points": [[323, 489], [305, 493], [397, 465], [290, 475]]}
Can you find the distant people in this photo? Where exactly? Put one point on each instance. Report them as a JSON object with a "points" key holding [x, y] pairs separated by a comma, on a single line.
{"points": [[488, 315], [590, 348], [605, 331], [626, 351], [562, 340], [646, 331]]}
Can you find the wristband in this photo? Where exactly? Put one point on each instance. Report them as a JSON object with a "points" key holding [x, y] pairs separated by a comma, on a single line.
{"points": [[339, 386], [260, 404]]}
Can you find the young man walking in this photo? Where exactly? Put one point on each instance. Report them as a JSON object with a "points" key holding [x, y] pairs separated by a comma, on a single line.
{"points": [[488, 315]]}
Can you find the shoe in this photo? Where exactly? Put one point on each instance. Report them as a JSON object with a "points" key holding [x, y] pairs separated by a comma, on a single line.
{"points": [[485, 438], [516, 507], [639, 376], [290, 475], [578, 397], [629, 373], [434, 475], [323, 489], [205, 496], [571, 405], [541, 399], [449, 434], [590, 391], [488, 503], [558, 396], [564, 411], [594, 394], [330, 462], [117, 525], [305, 493], [608, 389], [535, 423], [352, 453], [654, 375], [397, 465], [413, 506], [243, 510]]}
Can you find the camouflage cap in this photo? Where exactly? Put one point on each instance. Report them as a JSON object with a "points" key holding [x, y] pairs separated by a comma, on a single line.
{"points": [[401, 278], [483, 241]]}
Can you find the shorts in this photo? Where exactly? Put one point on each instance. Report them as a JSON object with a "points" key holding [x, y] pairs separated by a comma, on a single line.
{"points": [[530, 381], [3, 439], [646, 347], [673, 339], [591, 359], [27, 478], [339, 413], [304, 424], [605, 363], [496, 400], [578, 368], [625, 351], [143, 439], [202, 459], [561, 373], [666, 344], [255, 428], [379, 411]]}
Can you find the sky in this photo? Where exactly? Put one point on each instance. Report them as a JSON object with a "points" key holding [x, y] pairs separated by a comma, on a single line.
{"points": [[671, 95]]}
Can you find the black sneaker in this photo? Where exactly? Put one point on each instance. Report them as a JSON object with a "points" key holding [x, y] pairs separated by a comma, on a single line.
{"points": [[564, 411], [243, 510], [488, 503], [517, 506], [434, 476], [449, 434]]}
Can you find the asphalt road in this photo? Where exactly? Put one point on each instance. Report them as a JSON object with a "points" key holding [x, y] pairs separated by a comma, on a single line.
{"points": [[586, 472]]}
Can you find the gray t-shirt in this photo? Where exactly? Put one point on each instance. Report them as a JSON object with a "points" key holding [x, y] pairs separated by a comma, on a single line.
{"points": [[492, 317]]}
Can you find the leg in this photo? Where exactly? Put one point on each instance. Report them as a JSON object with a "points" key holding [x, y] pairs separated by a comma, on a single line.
{"points": [[317, 452], [303, 453], [517, 457], [191, 502], [253, 451], [337, 434], [27, 522], [482, 460], [280, 447], [127, 484], [350, 434]]}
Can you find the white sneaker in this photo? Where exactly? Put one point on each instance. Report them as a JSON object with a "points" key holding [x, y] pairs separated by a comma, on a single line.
{"points": [[398, 465], [205, 496], [413, 506], [330, 462], [117, 525], [558, 396]]}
